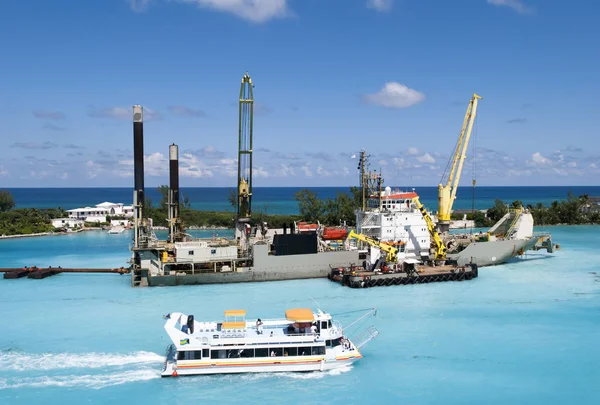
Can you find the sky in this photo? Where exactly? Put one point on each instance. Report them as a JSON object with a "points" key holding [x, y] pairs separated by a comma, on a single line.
{"points": [[331, 77]]}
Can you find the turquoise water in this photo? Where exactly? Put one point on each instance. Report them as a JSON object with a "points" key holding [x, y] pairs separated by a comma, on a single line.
{"points": [[522, 333]]}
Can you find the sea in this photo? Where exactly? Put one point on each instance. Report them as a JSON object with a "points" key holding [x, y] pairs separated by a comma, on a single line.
{"points": [[525, 332], [281, 200]]}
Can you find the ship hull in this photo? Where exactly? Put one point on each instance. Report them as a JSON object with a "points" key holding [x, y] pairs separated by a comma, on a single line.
{"points": [[494, 252], [266, 268]]}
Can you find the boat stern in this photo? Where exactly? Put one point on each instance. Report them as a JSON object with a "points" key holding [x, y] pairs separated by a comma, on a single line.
{"points": [[170, 364]]}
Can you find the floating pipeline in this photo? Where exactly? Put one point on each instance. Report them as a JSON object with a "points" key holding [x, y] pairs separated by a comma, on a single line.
{"points": [[39, 273], [352, 278]]}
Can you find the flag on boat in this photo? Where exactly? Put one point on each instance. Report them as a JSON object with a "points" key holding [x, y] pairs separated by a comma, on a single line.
{"points": [[184, 341]]}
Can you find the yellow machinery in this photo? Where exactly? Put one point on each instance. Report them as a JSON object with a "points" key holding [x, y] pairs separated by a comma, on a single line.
{"points": [[392, 252], [447, 193], [440, 247]]}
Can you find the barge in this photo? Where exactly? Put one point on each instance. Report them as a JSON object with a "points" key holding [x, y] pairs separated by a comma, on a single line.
{"points": [[408, 273]]}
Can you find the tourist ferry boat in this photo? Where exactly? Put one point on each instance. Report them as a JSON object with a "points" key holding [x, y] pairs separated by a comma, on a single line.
{"points": [[302, 341]]}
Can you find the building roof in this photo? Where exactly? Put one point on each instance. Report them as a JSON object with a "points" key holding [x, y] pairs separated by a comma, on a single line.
{"points": [[108, 204], [86, 209]]}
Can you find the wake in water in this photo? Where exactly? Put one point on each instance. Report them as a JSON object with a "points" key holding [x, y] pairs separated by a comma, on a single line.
{"points": [[51, 361], [16, 369]]}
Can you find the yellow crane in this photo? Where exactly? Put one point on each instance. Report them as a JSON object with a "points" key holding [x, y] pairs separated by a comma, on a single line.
{"points": [[391, 252], [440, 246], [447, 193]]}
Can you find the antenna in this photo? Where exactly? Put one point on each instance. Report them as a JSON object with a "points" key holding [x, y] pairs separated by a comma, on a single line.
{"points": [[316, 303]]}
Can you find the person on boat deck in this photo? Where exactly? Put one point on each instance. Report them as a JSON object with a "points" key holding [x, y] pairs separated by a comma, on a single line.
{"points": [[313, 329], [259, 326], [273, 353]]}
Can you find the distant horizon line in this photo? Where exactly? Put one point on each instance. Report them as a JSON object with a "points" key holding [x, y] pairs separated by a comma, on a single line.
{"points": [[182, 187]]}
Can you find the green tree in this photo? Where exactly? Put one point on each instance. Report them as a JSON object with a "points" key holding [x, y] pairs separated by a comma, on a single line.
{"points": [[497, 211], [164, 196], [7, 202], [311, 208], [232, 198], [516, 204]]}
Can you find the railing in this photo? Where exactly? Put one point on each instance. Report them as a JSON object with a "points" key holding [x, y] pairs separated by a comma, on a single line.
{"points": [[366, 336]]}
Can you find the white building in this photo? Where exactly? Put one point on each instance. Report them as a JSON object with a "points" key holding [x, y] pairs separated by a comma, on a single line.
{"points": [[117, 209], [100, 211], [67, 223]]}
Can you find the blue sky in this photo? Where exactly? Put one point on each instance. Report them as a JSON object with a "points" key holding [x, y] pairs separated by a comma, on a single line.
{"points": [[331, 77]]}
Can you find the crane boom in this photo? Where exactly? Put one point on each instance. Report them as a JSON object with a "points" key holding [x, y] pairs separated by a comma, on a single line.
{"points": [[440, 246], [392, 252], [447, 193]]}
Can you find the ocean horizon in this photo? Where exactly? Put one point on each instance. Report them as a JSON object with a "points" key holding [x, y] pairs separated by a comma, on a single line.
{"points": [[280, 200]]}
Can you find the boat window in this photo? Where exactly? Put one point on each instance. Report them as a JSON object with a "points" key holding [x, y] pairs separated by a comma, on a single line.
{"points": [[205, 353], [245, 353], [218, 354], [329, 323], [189, 355], [290, 351], [276, 352], [304, 351], [261, 352], [318, 350], [336, 342]]}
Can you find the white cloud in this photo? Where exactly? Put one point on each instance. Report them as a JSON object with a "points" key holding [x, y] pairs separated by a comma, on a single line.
{"points": [[538, 160], [139, 5], [259, 172], [426, 158], [3, 172], [257, 11], [593, 166], [516, 5], [306, 170], [413, 151], [380, 5], [123, 113], [572, 164], [394, 95], [383, 162], [286, 170], [322, 172]]}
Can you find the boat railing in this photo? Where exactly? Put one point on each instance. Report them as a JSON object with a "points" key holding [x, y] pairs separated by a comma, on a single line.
{"points": [[365, 337]]}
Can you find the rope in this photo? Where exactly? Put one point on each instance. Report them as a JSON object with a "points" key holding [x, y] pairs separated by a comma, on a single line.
{"points": [[353, 312]]}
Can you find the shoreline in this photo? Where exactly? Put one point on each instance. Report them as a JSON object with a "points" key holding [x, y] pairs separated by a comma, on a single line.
{"points": [[54, 233]]}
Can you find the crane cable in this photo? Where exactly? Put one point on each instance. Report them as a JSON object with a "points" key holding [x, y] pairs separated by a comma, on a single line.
{"points": [[474, 172]]}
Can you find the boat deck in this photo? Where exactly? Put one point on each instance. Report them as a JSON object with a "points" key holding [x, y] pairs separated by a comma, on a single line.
{"points": [[354, 278]]}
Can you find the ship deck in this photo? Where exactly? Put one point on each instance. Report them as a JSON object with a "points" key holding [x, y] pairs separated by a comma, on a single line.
{"points": [[425, 274]]}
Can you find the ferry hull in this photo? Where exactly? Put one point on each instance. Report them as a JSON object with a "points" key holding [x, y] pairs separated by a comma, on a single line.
{"points": [[307, 366]]}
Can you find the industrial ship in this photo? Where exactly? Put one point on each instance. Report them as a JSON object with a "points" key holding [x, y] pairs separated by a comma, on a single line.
{"points": [[387, 221]]}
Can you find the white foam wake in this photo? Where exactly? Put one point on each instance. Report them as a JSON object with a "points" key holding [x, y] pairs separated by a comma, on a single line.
{"points": [[92, 381], [51, 361]]}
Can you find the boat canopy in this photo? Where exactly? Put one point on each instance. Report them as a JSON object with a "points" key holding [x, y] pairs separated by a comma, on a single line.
{"points": [[299, 315], [235, 312], [233, 325]]}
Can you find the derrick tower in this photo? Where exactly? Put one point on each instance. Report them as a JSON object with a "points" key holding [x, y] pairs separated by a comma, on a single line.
{"points": [[246, 113]]}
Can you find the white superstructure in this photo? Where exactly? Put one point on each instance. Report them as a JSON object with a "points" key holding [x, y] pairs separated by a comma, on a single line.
{"points": [[302, 341], [393, 217]]}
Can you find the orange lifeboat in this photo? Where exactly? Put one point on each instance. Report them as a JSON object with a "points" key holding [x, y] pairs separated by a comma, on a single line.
{"points": [[334, 233], [306, 227]]}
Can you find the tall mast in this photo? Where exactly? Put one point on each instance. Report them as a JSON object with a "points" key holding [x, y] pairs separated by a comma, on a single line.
{"points": [[246, 113]]}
